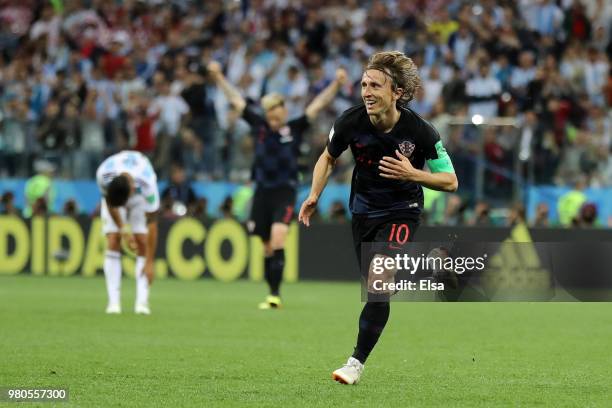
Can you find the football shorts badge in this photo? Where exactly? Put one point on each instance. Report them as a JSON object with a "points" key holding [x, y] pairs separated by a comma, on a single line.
{"points": [[250, 226]]}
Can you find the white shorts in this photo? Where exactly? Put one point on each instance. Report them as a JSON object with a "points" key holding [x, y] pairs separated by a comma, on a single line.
{"points": [[133, 214]]}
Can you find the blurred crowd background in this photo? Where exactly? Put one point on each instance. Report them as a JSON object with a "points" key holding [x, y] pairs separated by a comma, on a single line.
{"points": [[520, 91]]}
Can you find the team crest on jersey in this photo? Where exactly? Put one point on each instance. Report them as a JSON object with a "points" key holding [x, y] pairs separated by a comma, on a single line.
{"points": [[285, 133], [406, 148]]}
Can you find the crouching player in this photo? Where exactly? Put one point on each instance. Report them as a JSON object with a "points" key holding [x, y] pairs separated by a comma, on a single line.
{"points": [[130, 196]]}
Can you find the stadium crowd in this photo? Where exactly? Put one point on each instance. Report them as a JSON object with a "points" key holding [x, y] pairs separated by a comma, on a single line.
{"points": [[80, 80]]}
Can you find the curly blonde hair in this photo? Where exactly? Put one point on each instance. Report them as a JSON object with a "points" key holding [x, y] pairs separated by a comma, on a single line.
{"points": [[401, 69]]}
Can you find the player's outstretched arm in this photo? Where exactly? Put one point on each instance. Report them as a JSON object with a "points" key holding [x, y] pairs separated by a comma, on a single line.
{"points": [[327, 95], [400, 168], [322, 171], [232, 94], [151, 245]]}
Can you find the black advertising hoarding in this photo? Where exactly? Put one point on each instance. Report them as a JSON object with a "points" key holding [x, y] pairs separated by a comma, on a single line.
{"points": [[187, 249]]}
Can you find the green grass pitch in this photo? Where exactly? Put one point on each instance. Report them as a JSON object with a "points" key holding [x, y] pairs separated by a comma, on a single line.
{"points": [[206, 345]]}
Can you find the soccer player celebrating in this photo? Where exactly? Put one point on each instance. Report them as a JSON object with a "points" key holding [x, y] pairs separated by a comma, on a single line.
{"points": [[275, 169], [130, 196], [390, 144]]}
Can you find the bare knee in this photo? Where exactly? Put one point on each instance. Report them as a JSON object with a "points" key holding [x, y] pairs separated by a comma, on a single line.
{"points": [[113, 242], [278, 236]]}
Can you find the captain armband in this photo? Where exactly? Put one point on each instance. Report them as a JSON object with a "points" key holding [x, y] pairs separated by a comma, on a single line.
{"points": [[443, 163]]}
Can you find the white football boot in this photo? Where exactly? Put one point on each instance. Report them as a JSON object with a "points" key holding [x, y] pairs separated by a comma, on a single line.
{"points": [[349, 373], [142, 308], [113, 308]]}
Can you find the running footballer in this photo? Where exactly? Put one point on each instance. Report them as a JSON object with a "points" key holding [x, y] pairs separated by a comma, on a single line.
{"points": [[390, 144], [275, 170]]}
